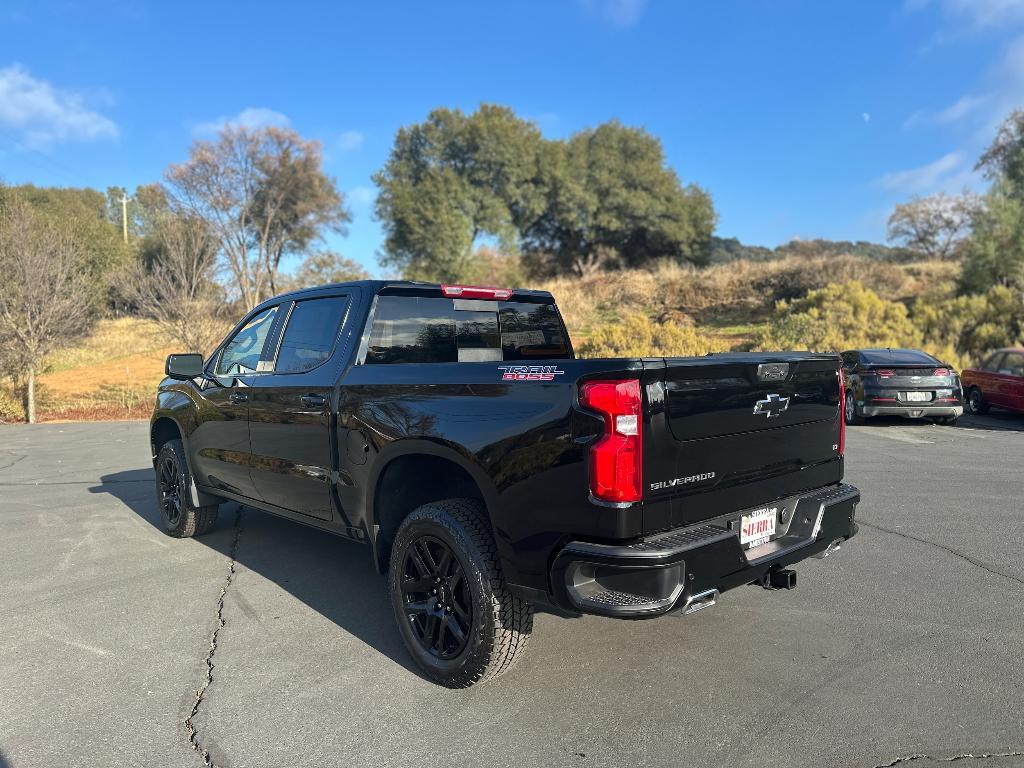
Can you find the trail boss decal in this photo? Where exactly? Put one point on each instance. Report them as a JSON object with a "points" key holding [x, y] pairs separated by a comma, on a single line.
{"points": [[529, 372], [682, 481]]}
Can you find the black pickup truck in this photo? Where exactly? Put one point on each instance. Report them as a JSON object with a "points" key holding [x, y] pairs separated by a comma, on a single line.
{"points": [[453, 430]]}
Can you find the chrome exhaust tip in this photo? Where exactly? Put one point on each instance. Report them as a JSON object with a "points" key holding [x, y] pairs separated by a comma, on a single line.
{"points": [[700, 601], [833, 547]]}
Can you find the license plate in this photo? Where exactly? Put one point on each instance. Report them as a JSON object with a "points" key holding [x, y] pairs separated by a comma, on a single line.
{"points": [[758, 526], [917, 397]]}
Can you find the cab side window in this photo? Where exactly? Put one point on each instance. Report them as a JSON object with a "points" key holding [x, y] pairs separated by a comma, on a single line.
{"points": [[242, 354], [312, 332]]}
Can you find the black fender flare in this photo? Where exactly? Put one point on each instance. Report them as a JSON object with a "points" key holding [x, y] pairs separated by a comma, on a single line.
{"points": [[457, 456]]}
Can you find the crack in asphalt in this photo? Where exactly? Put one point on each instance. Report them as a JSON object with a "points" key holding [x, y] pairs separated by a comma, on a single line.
{"points": [[951, 759], [944, 548], [16, 457], [193, 734]]}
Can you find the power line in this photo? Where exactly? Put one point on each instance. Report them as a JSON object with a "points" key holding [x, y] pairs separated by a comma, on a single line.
{"points": [[55, 165]]}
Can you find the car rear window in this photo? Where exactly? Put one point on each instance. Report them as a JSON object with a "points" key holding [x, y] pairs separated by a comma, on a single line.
{"points": [[410, 329], [896, 357]]}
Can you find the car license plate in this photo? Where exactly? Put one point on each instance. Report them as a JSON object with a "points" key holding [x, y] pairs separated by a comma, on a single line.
{"points": [[757, 527], [917, 397]]}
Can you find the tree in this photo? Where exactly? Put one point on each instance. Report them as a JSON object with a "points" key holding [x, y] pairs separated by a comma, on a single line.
{"points": [[45, 292], [611, 198], [452, 181], [81, 213], [324, 268], [145, 208], [1004, 158], [177, 290], [264, 194], [995, 252], [934, 227]]}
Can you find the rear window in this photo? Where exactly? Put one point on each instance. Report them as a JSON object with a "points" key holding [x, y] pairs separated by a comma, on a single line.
{"points": [[896, 357], [438, 330]]}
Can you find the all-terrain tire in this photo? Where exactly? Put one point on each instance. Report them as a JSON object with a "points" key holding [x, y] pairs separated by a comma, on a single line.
{"points": [[179, 516], [500, 622]]}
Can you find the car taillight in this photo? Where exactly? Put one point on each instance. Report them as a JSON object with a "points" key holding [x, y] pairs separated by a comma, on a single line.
{"points": [[885, 373], [941, 372], [842, 414], [476, 292], [616, 470]]}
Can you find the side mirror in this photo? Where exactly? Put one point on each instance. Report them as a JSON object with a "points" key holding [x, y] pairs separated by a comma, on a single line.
{"points": [[184, 367]]}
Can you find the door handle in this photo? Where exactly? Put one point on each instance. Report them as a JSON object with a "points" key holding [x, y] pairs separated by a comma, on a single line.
{"points": [[314, 401], [238, 397]]}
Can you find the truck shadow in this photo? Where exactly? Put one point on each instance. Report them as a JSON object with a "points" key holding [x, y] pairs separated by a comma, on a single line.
{"points": [[334, 577]]}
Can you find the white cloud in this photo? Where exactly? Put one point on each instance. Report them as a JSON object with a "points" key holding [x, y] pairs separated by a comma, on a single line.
{"points": [[865, 116], [963, 107], [978, 14], [43, 114], [362, 195], [350, 140], [950, 173], [621, 13], [250, 117]]}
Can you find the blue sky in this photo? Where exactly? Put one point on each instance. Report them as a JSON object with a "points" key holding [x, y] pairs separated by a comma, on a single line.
{"points": [[802, 118]]}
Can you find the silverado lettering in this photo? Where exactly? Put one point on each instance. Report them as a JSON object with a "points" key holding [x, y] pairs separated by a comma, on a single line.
{"points": [[682, 481]]}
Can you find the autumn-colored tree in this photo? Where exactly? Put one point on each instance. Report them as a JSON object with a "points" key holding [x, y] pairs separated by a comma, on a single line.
{"points": [[264, 194], [934, 227], [176, 289]]}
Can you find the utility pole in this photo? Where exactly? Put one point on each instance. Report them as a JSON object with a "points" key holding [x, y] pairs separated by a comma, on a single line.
{"points": [[124, 216]]}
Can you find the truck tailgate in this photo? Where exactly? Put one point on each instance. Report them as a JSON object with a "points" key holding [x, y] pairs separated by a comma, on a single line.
{"points": [[729, 432]]}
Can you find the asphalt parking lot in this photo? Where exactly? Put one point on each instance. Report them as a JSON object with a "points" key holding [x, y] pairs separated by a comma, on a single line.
{"points": [[907, 646]]}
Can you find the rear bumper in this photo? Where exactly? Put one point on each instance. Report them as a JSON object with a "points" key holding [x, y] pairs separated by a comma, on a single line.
{"points": [[685, 568], [916, 411]]}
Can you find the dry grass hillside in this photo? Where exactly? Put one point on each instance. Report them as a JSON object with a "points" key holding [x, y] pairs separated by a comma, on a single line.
{"points": [[668, 310], [111, 375], [728, 303]]}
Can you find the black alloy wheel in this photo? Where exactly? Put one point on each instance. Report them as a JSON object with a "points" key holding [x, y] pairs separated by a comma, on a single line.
{"points": [[180, 515], [171, 488], [436, 596]]}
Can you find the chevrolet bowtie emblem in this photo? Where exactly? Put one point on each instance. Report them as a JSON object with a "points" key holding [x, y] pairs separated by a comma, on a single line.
{"points": [[773, 405]]}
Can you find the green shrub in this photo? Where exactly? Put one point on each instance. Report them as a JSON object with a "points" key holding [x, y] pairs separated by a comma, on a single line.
{"points": [[636, 335], [838, 317], [964, 328]]}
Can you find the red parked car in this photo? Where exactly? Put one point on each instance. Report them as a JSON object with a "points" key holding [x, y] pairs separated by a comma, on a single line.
{"points": [[998, 382]]}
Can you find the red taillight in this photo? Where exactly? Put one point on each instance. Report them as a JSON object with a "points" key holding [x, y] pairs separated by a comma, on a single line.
{"points": [[885, 373], [941, 372], [842, 414], [616, 470], [476, 292]]}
